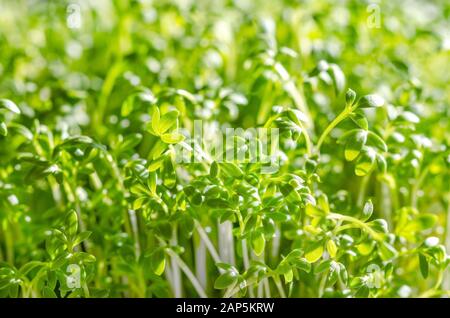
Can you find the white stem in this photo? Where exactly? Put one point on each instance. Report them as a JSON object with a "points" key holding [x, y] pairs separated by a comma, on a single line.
{"points": [[175, 268], [246, 263], [208, 243], [226, 242], [200, 262], [276, 244], [386, 202], [134, 227], [197, 286], [245, 254]]}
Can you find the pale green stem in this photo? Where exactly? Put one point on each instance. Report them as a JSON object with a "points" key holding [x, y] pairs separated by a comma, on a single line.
{"points": [[363, 189], [277, 281], [417, 186], [356, 222], [197, 286], [343, 115], [208, 243]]}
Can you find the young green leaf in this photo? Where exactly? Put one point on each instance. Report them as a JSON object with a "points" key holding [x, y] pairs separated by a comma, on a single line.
{"points": [[314, 253], [158, 262], [369, 101], [365, 162], [355, 144], [332, 248], [367, 210], [9, 105], [226, 280]]}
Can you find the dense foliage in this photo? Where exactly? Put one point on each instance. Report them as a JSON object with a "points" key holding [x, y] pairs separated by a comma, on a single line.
{"points": [[97, 97]]}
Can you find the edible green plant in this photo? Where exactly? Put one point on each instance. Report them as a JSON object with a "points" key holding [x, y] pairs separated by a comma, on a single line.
{"points": [[98, 101]]}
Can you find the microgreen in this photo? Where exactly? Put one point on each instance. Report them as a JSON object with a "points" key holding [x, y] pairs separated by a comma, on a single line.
{"points": [[335, 183]]}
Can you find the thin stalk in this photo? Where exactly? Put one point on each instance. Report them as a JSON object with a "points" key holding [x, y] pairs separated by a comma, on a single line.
{"points": [[134, 227], [197, 286], [343, 115], [299, 99], [175, 267], [200, 260], [357, 223], [105, 92], [276, 240], [417, 186], [277, 281], [322, 284], [245, 254], [386, 202], [260, 290], [246, 261], [226, 242], [266, 287], [363, 189], [436, 288], [266, 103], [232, 291], [208, 243]]}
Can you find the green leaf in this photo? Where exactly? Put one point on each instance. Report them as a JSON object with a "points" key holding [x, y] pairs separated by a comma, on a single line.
{"points": [[258, 243], [168, 121], [217, 203], [81, 237], [420, 223], [423, 265], [302, 264], [355, 144], [48, 293], [172, 138], [158, 262], [376, 141], [381, 163], [231, 169], [360, 120], [379, 225], [322, 267], [338, 78], [130, 141], [155, 121], [343, 274], [365, 163], [366, 247], [71, 223], [214, 170], [369, 101], [9, 105], [288, 276], [350, 97], [387, 251], [367, 210], [3, 129], [314, 211], [226, 280], [22, 130], [331, 248], [409, 117], [314, 253], [28, 267], [127, 106]]}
